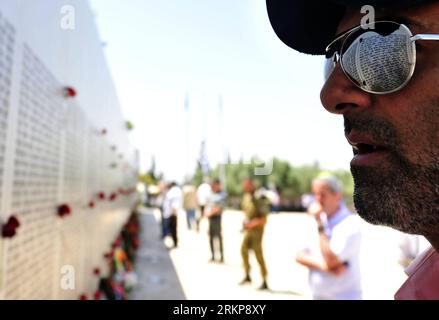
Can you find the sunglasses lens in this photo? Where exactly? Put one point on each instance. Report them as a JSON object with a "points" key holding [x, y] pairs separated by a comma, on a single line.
{"points": [[380, 60]]}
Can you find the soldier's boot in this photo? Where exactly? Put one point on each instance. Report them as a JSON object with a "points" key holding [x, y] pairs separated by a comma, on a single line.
{"points": [[246, 280], [263, 286]]}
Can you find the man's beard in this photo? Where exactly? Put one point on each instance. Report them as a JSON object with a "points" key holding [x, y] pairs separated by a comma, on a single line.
{"points": [[398, 194]]}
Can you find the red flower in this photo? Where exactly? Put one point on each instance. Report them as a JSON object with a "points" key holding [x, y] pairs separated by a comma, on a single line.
{"points": [[83, 297], [8, 232], [113, 196], [9, 229], [98, 295], [101, 195], [69, 92], [13, 221], [108, 255], [116, 243], [97, 271], [91, 204], [64, 210]]}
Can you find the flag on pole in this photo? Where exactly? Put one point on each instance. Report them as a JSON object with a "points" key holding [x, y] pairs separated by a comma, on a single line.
{"points": [[186, 102], [204, 162]]}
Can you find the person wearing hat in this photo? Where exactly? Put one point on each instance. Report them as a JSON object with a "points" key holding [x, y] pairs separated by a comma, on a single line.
{"points": [[255, 208], [381, 74]]}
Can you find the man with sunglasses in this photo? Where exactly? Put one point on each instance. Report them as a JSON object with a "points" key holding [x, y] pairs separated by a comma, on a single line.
{"points": [[383, 78]]}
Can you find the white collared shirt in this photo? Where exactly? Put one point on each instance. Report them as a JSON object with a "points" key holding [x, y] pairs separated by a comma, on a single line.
{"points": [[173, 201], [204, 193], [344, 241]]}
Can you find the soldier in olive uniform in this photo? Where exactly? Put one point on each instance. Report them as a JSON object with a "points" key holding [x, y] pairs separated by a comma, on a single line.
{"points": [[256, 210]]}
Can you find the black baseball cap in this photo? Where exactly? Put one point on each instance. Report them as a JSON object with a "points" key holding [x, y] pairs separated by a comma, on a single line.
{"points": [[309, 25]]}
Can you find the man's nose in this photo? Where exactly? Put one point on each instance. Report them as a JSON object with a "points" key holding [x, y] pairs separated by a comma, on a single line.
{"points": [[340, 95]]}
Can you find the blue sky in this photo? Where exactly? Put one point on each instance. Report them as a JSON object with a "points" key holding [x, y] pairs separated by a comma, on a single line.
{"points": [[159, 52]]}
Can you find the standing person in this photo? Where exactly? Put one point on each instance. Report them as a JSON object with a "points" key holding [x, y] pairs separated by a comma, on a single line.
{"points": [[190, 204], [255, 210], [333, 258], [159, 202], [214, 211], [171, 206], [390, 105], [204, 192]]}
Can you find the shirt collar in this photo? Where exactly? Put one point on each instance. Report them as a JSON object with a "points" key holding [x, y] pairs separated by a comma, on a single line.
{"points": [[341, 214]]}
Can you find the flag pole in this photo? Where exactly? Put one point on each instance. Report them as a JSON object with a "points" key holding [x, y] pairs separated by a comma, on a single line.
{"points": [[187, 151], [222, 165]]}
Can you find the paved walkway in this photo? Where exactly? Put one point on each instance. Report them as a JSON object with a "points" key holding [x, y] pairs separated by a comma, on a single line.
{"points": [[185, 273], [158, 279]]}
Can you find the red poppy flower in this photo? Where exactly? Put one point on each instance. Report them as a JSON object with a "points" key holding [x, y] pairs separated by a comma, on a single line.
{"points": [[98, 295], [113, 196], [91, 204], [108, 255], [97, 271], [83, 297], [69, 92], [13, 221], [64, 210], [101, 195], [9, 229]]}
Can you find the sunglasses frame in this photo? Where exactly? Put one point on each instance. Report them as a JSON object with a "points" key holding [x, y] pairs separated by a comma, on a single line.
{"points": [[337, 55]]}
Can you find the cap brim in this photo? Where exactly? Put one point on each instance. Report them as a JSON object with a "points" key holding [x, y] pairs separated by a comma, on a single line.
{"points": [[305, 25], [309, 25]]}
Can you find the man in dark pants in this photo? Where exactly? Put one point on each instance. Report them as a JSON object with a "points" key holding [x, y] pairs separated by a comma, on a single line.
{"points": [[214, 211], [255, 209], [172, 204], [382, 76]]}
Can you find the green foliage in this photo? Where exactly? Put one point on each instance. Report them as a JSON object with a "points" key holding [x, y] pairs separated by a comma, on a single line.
{"points": [[198, 177], [129, 125], [151, 177], [292, 181]]}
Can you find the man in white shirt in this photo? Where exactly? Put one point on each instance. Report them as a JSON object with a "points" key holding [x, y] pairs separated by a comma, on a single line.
{"points": [[204, 192], [333, 257], [172, 203]]}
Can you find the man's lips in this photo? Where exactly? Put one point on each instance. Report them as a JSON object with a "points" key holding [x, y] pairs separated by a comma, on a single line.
{"points": [[366, 150]]}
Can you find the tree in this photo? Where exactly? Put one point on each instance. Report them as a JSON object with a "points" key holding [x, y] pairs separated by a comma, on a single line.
{"points": [[292, 182], [151, 177]]}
